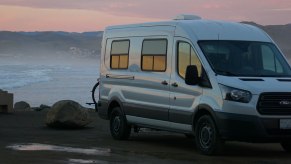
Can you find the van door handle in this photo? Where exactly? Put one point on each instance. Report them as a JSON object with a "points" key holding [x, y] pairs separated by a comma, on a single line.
{"points": [[164, 82], [175, 85]]}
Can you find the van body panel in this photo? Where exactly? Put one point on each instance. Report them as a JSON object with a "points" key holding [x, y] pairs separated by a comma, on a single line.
{"points": [[257, 85], [158, 124], [220, 30], [140, 31], [250, 128], [146, 111]]}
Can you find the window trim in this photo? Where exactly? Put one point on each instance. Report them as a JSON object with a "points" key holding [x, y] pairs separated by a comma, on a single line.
{"points": [[153, 55], [119, 54]]}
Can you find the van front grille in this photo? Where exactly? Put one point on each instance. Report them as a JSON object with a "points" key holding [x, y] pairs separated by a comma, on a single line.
{"points": [[274, 104]]}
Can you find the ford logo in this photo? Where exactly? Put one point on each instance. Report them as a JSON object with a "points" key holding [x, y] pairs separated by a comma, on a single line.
{"points": [[285, 102]]}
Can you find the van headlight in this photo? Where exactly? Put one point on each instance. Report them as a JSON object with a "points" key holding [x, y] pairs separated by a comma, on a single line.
{"points": [[234, 94]]}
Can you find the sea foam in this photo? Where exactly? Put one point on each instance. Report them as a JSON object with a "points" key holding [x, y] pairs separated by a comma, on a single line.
{"points": [[15, 76]]}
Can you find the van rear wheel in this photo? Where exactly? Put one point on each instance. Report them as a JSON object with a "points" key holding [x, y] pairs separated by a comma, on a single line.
{"points": [[207, 138], [190, 136], [119, 128], [286, 146]]}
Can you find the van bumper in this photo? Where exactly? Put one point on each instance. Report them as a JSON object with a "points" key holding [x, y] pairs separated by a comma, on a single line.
{"points": [[103, 109], [250, 128]]}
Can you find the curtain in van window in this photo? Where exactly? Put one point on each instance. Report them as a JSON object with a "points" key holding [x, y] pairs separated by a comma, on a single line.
{"points": [[154, 55], [119, 54]]}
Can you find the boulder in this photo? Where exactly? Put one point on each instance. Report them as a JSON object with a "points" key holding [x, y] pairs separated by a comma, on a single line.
{"points": [[21, 105], [67, 114], [42, 107]]}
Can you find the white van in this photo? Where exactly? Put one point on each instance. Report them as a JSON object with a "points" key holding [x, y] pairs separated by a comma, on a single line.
{"points": [[214, 80]]}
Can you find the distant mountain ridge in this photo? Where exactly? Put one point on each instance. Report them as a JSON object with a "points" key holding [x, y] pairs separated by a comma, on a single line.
{"points": [[88, 44], [50, 43]]}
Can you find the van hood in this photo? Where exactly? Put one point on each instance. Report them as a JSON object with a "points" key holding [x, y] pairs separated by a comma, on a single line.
{"points": [[257, 85]]}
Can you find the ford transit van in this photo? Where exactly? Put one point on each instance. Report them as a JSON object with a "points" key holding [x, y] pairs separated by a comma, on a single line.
{"points": [[214, 80]]}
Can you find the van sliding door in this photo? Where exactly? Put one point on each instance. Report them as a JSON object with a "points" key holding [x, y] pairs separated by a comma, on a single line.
{"points": [[148, 97]]}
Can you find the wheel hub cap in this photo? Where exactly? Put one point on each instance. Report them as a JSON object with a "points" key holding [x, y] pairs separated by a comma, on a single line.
{"points": [[206, 136], [116, 124]]}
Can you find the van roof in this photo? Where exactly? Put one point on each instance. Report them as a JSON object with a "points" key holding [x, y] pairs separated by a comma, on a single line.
{"points": [[207, 29]]}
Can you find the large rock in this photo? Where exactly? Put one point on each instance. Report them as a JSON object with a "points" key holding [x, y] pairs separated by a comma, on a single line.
{"points": [[67, 114], [42, 107], [21, 105]]}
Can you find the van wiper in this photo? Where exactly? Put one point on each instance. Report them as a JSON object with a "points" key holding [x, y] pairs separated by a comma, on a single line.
{"points": [[226, 73], [287, 76]]}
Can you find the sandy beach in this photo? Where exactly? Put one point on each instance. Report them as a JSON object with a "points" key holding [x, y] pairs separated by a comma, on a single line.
{"points": [[25, 139]]}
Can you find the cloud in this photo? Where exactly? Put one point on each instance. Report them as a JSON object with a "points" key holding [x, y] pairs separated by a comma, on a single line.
{"points": [[36, 19], [109, 12], [141, 8], [282, 9]]}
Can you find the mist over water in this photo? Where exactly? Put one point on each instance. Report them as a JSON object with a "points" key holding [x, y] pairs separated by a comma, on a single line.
{"points": [[46, 79]]}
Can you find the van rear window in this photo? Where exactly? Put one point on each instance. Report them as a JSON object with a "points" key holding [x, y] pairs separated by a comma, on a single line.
{"points": [[154, 55], [119, 54]]}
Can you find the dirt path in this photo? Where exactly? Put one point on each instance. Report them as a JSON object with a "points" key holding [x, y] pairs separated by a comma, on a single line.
{"points": [[39, 144]]}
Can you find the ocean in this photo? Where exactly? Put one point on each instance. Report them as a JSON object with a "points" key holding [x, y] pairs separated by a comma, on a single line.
{"points": [[38, 83]]}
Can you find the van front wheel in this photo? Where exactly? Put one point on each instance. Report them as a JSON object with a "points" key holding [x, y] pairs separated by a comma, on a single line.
{"points": [[119, 128], [207, 138]]}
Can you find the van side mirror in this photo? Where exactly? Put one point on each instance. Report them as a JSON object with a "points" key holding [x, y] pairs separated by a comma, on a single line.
{"points": [[192, 77]]}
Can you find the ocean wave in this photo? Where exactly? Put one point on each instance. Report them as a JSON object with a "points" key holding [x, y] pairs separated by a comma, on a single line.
{"points": [[15, 76]]}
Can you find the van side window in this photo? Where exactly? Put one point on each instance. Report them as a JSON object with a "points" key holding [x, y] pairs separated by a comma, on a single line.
{"points": [[154, 55], [187, 56], [119, 54]]}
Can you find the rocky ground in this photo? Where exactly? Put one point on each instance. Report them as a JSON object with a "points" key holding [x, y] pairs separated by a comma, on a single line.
{"points": [[25, 139]]}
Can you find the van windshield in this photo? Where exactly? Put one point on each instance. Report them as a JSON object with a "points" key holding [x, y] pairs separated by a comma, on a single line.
{"points": [[245, 58]]}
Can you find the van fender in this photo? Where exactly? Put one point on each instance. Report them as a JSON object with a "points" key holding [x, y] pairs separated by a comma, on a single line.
{"points": [[114, 102], [205, 108], [201, 110]]}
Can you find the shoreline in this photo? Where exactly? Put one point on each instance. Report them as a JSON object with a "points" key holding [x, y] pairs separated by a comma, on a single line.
{"points": [[74, 83]]}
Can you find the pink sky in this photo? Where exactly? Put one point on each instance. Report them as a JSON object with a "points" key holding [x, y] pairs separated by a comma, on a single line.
{"points": [[95, 15]]}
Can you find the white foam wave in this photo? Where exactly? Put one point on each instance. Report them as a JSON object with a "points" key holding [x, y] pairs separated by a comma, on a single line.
{"points": [[14, 76]]}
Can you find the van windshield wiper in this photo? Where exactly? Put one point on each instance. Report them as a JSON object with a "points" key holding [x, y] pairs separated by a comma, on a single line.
{"points": [[224, 72], [273, 76]]}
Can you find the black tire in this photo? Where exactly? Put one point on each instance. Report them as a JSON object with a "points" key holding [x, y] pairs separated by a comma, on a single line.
{"points": [[190, 136], [119, 128], [207, 139], [286, 146]]}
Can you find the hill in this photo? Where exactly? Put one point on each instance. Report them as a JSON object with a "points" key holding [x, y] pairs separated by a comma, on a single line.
{"points": [[50, 43]]}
